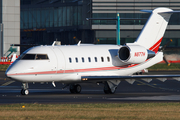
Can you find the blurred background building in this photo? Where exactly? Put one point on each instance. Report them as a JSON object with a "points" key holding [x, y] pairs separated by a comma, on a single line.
{"points": [[44, 21], [9, 25]]}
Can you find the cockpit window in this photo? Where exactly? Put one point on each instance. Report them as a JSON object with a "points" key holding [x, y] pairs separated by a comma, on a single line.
{"points": [[34, 57], [28, 57], [41, 57]]}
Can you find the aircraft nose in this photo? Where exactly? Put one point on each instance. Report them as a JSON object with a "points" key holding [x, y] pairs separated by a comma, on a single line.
{"points": [[10, 71], [7, 73]]}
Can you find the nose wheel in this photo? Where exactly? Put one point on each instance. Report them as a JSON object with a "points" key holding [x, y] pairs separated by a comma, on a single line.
{"points": [[25, 90], [75, 88]]}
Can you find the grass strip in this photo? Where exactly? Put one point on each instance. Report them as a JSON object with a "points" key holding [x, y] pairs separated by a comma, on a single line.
{"points": [[162, 66], [123, 111], [3, 67]]}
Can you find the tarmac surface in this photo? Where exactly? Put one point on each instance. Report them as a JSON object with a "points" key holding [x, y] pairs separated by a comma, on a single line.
{"points": [[140, 91]]}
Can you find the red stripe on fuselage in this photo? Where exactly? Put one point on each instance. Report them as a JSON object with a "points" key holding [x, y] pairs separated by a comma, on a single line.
{"points": [[75, 70], [155, 47]]}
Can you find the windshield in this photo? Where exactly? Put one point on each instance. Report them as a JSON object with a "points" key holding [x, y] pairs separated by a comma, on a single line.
{"points": [[33, 57]]}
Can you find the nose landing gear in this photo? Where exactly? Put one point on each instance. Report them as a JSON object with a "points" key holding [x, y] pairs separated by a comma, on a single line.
{"points": [[25, 90]]}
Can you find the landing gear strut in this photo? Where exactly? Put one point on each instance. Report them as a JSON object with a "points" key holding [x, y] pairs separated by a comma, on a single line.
{"points": [[25, 90], [107, 89], [75, 88], [110, 86]]}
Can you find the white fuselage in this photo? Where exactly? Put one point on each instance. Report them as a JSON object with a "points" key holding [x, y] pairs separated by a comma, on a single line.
{"points": [[108, 64], [69, 63]]}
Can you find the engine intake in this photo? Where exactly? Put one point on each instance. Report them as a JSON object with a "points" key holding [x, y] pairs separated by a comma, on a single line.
{"points": [[134, 54]]}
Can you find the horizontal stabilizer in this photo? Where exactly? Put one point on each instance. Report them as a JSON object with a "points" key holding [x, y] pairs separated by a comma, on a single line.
{"points": [[171, 12], [150, 11]]}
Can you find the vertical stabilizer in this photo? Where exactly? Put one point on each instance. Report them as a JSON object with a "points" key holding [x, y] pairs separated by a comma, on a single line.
{"points": [[153, 31]]}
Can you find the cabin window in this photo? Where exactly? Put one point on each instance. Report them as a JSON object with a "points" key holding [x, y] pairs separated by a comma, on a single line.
{"points": [[89, 59], [70, 60], [76, 59], [82, 59], [95, 58], [108, 59], [102, 59]]}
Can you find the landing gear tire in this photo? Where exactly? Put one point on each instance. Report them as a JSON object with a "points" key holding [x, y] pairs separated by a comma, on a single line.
{"points": [[75, 88], [24, 92], [109, 91], [72, 88]]}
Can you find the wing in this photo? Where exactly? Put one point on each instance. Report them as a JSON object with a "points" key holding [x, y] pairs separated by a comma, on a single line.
{"points": [[130, 77], [111, 82]]}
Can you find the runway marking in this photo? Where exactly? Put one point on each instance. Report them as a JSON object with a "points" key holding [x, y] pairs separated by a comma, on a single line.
{"points": [[142, 83], [145, 84], [169, 97], [7, 83]]}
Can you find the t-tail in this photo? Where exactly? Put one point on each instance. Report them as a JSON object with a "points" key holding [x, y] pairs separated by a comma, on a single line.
{"points": [[153, 31], [147, 44]]}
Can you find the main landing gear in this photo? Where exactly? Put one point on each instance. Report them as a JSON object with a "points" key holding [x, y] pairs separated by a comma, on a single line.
{"points": [[75, 88], [108, 90], [111, 86], [25, 90]]}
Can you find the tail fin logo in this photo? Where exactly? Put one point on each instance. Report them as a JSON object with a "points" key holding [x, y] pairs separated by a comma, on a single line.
{"points": [[155, 47]]}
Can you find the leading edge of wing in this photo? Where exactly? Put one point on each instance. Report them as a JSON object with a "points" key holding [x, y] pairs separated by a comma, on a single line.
{"points": [[105, 78]]}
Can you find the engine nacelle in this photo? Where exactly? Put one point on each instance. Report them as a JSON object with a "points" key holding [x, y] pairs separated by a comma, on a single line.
{"points": [[134, 54]]}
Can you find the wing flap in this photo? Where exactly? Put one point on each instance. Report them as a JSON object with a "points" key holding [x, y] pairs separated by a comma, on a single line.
{"points": [[130, 81]]}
